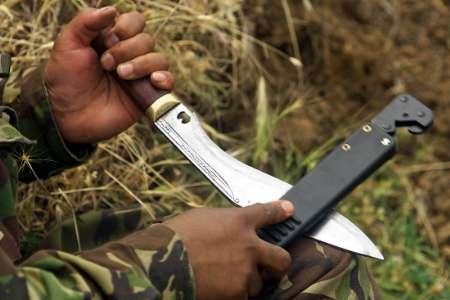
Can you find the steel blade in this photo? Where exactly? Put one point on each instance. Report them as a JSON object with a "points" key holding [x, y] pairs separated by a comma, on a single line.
{"points": [[244, 185]]}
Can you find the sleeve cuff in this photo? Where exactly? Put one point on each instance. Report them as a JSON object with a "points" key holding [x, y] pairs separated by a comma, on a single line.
{"points": [[69, 154], [52, 154], [62, 151]]}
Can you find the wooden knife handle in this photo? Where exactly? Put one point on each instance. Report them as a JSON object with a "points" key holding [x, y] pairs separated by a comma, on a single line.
{"points": [[143, 93]]}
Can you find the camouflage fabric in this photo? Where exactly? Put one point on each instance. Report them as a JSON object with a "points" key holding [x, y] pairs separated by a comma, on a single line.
{"points": [[148, 264], [321, 272], [123, 254], [318, 271]]}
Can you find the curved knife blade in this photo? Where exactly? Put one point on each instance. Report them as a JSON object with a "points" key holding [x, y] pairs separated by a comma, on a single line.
{"points": [[244, 185]]}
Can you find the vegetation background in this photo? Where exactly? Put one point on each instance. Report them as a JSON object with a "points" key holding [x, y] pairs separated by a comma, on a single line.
{"points": [[277, 83]]}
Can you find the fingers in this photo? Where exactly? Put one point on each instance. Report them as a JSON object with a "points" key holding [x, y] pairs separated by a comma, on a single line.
{"points": [[130, 52], [260, 215], [142, 66], [128, 25], [274, 260], [163, 80], [85, 27], [127, 50]]}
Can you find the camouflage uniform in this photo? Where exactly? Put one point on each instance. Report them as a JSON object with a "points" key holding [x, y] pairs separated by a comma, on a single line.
{"points": [[128, 256]]}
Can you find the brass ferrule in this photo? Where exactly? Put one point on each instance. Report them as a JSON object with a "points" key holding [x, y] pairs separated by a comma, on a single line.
{"points": [[161, 107]]}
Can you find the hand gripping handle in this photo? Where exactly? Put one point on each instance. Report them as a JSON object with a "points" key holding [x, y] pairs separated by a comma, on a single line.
{"points": [[143, 93], [141, 90]]}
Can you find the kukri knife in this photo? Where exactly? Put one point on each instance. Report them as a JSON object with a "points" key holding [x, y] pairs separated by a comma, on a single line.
{"points": [[316, 194]]}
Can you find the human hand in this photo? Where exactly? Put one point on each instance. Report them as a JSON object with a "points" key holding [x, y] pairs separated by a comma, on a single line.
{"points": [[88, 103], [229, 260]]}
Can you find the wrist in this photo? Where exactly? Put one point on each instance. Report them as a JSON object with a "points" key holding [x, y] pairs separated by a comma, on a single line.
{"points": [[58, 110], [42, 103]]}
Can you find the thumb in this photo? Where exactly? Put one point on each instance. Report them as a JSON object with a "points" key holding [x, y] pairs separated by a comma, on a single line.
{"points": [[85, 27], [261, 215]]}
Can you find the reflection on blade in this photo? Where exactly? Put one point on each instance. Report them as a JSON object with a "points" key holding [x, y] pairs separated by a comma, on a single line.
{"points": [[340, 232], [244, 185]]}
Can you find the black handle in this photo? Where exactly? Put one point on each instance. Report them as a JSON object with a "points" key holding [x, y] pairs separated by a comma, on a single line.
{"points": [[316, 194]]}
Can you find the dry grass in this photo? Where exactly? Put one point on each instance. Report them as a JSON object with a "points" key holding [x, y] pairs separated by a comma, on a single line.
{"points": [[208, 50], [261, 72]]}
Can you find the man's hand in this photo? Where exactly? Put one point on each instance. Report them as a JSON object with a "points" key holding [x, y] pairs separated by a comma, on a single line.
{"points": [[88, 103], [229, 260]]}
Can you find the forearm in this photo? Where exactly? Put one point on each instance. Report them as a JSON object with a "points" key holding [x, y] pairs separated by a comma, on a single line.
{"points": [[149, 264]]}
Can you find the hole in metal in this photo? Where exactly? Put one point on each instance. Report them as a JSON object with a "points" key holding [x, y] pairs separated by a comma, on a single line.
{"points": [[184, 117], [346, 147], [367, 128]]}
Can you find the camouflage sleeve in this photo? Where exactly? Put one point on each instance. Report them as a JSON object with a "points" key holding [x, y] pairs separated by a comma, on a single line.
{"points": [[149, 264], [323, 272], [50, 154]]}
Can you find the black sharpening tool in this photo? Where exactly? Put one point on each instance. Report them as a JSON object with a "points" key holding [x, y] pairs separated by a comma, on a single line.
{"points": [[349, 164]]}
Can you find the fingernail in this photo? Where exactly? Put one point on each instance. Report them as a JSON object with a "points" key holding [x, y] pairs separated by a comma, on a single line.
{"points": [[106, 10], [125, 70], [159, 77], [288, 207], [108, 61], [112, 40]]}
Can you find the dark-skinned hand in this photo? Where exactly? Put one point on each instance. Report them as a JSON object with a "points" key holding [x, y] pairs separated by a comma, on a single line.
{"points": [[229, 260], [88, 104]]}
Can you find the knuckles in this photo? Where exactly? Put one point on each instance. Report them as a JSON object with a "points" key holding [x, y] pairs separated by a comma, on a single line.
{"points": [[284, 262], [287, 260], [137, 17], [146, 39], [240, 221], [83, 13], [245, 220], [232, 237], [122, 27], [122, 50], [251, 246]]}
